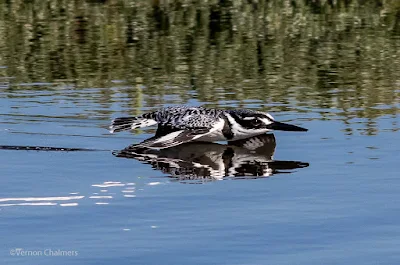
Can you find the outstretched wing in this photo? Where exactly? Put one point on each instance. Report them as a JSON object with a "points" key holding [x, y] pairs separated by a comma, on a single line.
{"points": [[173, 138], [181, 131]]}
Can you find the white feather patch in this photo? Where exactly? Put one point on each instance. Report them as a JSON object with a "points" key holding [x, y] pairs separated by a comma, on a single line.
{"points": [[215, 134], [269, 116], [266, 121], [143, 123], [242, 133], [169, 137]]}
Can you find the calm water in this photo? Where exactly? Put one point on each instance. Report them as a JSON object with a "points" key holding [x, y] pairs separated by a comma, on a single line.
{"points": [[328, 196]]}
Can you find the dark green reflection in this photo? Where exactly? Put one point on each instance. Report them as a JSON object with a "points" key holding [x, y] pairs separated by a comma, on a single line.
{"points": [[318, 54]]}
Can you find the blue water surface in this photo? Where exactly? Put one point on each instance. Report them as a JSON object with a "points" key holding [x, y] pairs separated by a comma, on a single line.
{"points": [[101, 209]]}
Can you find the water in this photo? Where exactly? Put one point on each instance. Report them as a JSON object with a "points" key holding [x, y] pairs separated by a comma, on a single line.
{"points": [[329, 197]]}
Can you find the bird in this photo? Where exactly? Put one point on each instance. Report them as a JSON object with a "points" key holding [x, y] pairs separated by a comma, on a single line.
{"points": [[202, 161], [182, 124], [247, 158]]}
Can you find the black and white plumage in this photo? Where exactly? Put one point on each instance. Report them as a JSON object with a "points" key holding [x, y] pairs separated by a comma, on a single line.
{"points": [[200, 161], [182, 124]]}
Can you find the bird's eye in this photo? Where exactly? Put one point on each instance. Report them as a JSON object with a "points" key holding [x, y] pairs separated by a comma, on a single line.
{"points": [[256, 122]]}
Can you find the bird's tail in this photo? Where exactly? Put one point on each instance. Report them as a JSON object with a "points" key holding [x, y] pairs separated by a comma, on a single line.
{"points": [[130, 123]]}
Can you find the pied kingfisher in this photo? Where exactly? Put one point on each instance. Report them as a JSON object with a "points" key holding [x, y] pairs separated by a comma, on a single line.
{"points": [[182, 124], [250, 157]]}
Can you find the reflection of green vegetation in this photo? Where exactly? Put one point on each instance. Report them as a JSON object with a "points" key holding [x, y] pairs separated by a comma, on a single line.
{"points": [[317, 53]]}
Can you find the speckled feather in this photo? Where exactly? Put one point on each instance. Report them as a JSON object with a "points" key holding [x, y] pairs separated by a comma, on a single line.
{"points": [[182, 117]]}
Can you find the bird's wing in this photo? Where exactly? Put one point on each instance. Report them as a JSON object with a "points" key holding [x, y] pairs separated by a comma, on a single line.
{"points": [[181, 131], [191, 121], [173, 138]]}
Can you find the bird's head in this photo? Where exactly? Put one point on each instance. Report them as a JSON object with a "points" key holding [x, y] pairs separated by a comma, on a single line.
{"points": [[249, 122]]}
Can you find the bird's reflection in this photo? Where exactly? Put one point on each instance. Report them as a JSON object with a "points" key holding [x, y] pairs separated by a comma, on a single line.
{"points": [[248, 158]]}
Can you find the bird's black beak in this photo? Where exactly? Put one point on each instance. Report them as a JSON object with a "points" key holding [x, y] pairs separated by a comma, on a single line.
{"points": [[280, 126]]}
